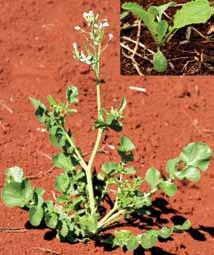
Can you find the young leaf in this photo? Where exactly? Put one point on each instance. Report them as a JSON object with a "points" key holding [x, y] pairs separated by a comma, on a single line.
{"points": [[62, 161], [36, 214], [63, 229], [147, 17], [191, 173], [193, 12], [57, 136], [51, 220], [52, 101], [165, 232], [197, 155], [111, 168], [62, 182], [158, 11], [160, 62], [125, 238], [14, 174], [152, 177], [72, 95], [89, 223], [41, 111], [126, 144], [149, 239], [168, 187], [17, 193], [183, 227], [172, 167]]}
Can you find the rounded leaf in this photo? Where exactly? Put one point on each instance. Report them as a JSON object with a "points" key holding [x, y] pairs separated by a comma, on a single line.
{"points": [[51, 220], [152, 177], [160, 62], [197, 154], [165, 232], [168, 187], [149, 239], [36, 215]]}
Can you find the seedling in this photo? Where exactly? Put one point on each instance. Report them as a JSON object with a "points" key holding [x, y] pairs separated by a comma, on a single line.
{"points": [[154, 18], [78, 210]]}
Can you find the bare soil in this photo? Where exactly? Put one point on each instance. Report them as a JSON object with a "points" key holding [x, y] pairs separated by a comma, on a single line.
{"points": [[36, 60], [193, 56]]}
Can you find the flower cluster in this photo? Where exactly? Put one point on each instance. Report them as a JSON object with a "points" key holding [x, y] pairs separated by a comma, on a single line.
{"points": [[94, 38]]}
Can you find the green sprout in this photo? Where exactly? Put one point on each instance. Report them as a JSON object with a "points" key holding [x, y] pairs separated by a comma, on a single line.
{"points": [[155, 19], [78, 211]]}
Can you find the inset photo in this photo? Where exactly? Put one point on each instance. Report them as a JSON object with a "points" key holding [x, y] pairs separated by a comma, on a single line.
{"points": [[160, 37]]}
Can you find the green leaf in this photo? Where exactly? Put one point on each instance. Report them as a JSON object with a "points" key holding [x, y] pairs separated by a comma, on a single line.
{"points": [[41, 110], [63, 229], [89, 223], [36, 215], [158, 11], [191, 173], [62, 161], [149, 239], [125, 238], [14, 174], [72, 95], [57, 136], [52, 101], [172, 167], [17, 193], [193, 12], [62, 182], [130, 170], [51, 220], [162, 29], [111, 168], [184, 227], [147, 17], [126, 144], [197, 155], [165, 232], [168, 187], [152, 177], [160, 62]]}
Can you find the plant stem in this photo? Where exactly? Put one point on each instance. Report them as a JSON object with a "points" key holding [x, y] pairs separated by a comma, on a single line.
{"points": [[114, 209], [81, 160], [99, 136], [111, 219]]}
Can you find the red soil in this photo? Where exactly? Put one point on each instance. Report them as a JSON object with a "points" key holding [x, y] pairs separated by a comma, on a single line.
{"points": [[35, 59]]}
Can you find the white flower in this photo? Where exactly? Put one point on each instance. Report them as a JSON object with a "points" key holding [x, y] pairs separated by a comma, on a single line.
{"points": [[75, 46], [77, 28], [88, 16], [110, 36]]}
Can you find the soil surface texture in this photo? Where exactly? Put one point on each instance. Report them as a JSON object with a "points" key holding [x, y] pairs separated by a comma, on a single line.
{"points": [[36, 60]]}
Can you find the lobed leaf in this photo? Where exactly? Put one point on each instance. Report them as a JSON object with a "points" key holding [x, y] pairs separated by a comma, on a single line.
{"points": [[149, 239], [197, 155], [193, 12], [17, 193]]}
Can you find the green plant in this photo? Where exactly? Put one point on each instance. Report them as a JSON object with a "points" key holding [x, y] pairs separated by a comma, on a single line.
{"points": [[78, 212], [193, 12]]}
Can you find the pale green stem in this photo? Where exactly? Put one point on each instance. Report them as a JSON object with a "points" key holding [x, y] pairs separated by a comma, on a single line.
{"points": [[76, 151], [98, 139], [114, 209], [111, 219]]}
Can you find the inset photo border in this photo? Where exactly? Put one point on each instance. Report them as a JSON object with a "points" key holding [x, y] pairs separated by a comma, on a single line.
{"points": [[166, 37]]}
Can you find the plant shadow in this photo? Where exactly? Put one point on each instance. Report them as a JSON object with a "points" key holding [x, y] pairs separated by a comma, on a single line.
{"points": [[158, 211]]}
